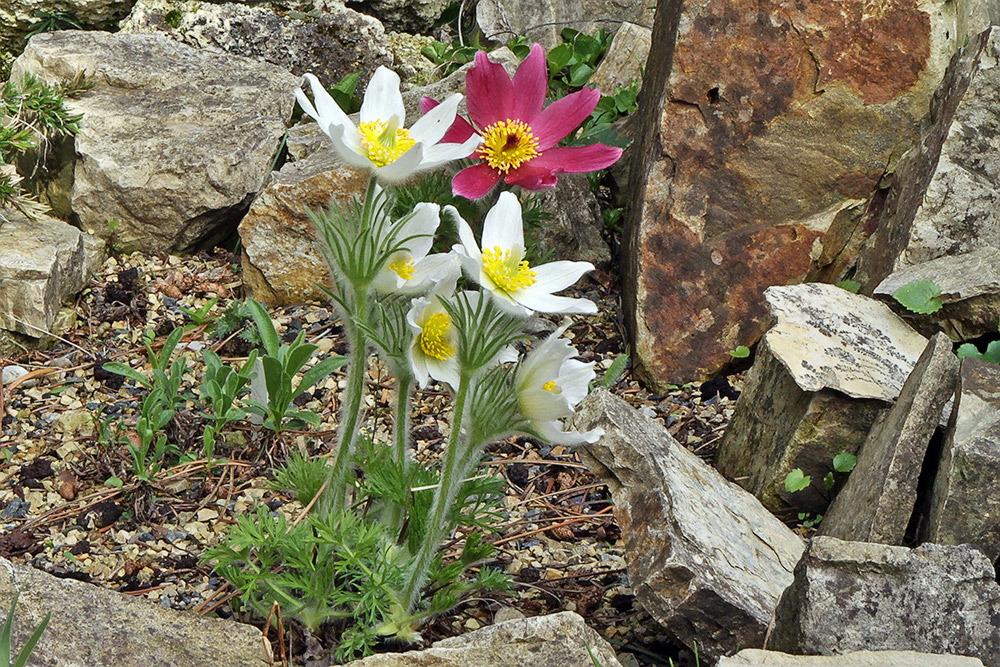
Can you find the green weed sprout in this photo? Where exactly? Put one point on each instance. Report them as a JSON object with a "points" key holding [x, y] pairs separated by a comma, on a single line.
{"points": [[5, 648]]}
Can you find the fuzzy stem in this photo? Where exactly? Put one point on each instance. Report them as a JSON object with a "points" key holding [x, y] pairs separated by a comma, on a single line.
{"points": [[444, 495], [401, 431]]}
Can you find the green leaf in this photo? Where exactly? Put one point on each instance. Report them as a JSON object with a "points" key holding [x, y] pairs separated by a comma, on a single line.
{"points": [[829, 480], [268, 334], [968, 350], [121, 369], [852, 286], [614, 371], [558, 58], [921, 296], [29, 646], [992, 353], [115, 482], [580, 74], [844, 462], [741, 352], [796, 481]]}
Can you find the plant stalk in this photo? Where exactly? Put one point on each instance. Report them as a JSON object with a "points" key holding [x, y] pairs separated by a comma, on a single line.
{"points": [[401, 431]]}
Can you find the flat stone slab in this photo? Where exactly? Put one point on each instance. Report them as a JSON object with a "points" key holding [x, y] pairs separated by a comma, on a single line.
{"points": [[705, 559], [753, 656], [965, 504], [95, 627], [540, 641], [42, 262], [878, 500], [854, 596]]}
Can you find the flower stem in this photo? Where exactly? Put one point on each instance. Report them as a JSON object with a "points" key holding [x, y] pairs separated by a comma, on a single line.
{"points": [[444, 495], [401, 431]]}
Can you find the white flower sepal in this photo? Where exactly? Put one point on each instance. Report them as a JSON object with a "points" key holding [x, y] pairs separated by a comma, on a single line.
{"points": [[549, 384], [499, 266], [381, 142]]}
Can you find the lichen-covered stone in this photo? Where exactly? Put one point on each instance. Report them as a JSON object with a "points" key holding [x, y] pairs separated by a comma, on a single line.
{"points": [[852, 596], [625, 60], [970, 292], [877, 501], [329, 41], [573, 230], [542, 20], [965, 504], [753, 656], [756, 157], [175, 142], [705, 559], [407, 15], [91, 626]]}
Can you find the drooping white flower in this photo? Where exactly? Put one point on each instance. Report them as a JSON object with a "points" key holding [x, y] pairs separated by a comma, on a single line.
{"points": [[499, 266], [411, 270], [549, 384], [381, 142], [434, 351]]}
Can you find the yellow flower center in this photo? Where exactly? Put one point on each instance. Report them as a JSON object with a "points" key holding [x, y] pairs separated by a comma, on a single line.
{"points": [[403, 266], [508, 272], [384, 143], [507, 144], [433, 337], [551, 386]]}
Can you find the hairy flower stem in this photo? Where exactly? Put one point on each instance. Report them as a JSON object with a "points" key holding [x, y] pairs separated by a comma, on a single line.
{"points": [[451, 481], [350, 415], [400, 437]]}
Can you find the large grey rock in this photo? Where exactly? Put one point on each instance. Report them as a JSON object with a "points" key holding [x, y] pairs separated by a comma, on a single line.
{"points": [[42, 262], [970, 292], [850, 596], [625, 60], [965, 504], [574, 230], [542, 20], [823, 373], [282, 262], [175, 142], [407, 15], [753, 656], [960, 210], [878, 500], [540, 641], [330, 40], [95, 627], [705, 559]]}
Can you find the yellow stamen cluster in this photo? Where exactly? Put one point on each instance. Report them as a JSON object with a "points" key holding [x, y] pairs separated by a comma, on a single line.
{"points": [[384, 143], [508, 272], [507, 144], [551, 386], [403, 266], [433, 337]]}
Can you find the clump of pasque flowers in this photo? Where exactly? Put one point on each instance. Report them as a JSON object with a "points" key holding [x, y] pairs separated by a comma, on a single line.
{"points": [[396, 296]]}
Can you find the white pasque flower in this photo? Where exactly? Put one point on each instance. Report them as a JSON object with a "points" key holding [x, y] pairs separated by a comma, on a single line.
{"points": [[434, 351], [549, 384], [501, 269], [381, 142], [411, 270]]}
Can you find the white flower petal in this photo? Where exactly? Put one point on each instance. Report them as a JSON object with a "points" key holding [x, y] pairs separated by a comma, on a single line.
{"points": [[503, 300], [442, 269], [419, 229], [557, 276], [550, 303], [504, 226], [574, 380], [405, 166], [444, 370], [467, 245], [553, 433], [352, 156], [439, 154], [541, 405], [432, 126], [383, 100]]}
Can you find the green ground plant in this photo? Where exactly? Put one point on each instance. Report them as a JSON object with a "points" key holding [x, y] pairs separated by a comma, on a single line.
{"points": [[21, 659]]}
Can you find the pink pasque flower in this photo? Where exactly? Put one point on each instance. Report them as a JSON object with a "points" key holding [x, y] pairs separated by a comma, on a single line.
{"points": [[520, 134]]}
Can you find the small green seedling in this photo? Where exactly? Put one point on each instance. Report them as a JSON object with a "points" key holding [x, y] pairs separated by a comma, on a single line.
{"points": [[741, 352], [795, 480], [920, 296], [852, 286]]}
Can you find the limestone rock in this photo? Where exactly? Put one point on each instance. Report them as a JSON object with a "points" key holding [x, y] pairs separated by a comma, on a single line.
{"points": [[890, 221], [705, 559], [42, 262], [965, 504], [752, 656], [175, 142], [541, 641], [92, 626], [970, 292], [282, 262], [625, 60], [830, 365], [851, 596], [542, 20], [329, 41], [876, 503], [574, 230], [960, 211], [407, 15], [757, 155]]}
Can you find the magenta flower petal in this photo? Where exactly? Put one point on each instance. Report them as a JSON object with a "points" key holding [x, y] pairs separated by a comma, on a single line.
{"points": [[542, 171], [489, 92], [531, 82], [562, 117], [530, 177], [475, 181], [460, 130]]}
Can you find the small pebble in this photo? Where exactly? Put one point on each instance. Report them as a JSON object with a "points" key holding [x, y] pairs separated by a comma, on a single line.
{"points": [[11, 373]]}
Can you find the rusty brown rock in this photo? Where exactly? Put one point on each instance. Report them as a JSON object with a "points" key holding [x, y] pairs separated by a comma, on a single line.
{"points": [[282, 263], [772, 129]]}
